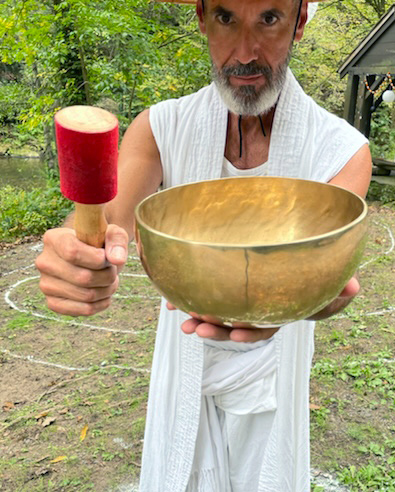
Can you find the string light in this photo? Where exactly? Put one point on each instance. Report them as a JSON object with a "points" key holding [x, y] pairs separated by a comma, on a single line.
{"points": [[382, 87]]}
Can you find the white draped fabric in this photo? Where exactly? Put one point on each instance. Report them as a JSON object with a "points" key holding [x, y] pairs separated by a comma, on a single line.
{"points": [[271, 380]]}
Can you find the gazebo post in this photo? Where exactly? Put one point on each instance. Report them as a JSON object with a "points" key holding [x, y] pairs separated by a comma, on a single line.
{"points": [[351, 98], [363, 114]]}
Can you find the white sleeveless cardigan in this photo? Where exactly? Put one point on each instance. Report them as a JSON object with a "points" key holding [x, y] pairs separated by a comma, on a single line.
{"points": [[306, 142]]}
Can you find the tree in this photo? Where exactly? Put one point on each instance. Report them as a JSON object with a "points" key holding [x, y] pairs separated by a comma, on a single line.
{"points": [[128, 55]]}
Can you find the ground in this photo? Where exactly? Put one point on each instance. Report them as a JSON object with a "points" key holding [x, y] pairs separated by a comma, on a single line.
{"points": [[73, 392]]}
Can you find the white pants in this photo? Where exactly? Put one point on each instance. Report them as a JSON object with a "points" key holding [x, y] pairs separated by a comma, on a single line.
{"points": [[237, 412]]}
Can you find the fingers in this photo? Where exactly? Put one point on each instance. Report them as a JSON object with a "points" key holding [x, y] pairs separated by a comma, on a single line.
{"points": [[78, 279], [64, 244], [74, 308], [220, 333], [205, 330], [55, 287], [54, 266], [244, 335]]}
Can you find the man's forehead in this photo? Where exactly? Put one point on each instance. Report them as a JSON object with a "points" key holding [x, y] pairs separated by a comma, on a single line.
{"points": [[258, 4]]}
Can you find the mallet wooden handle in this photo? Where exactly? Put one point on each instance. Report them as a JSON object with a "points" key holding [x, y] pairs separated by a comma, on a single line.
{"points": [[90, 224]]}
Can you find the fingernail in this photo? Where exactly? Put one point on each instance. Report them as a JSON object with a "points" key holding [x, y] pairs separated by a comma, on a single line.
{"points": [[118, 253]]}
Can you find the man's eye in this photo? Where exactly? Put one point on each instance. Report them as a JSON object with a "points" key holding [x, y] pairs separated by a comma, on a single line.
{"points": [[224, 19], [269, 19]]}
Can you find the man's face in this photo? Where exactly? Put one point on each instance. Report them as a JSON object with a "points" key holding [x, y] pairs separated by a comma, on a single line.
{"points": [[250, 43]]}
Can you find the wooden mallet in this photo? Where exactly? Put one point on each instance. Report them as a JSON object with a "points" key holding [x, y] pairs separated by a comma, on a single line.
{"points": [[87, 142]]}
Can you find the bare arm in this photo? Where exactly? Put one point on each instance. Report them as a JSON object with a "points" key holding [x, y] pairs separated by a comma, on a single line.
{"points": [[355, 176], [139, 172]]}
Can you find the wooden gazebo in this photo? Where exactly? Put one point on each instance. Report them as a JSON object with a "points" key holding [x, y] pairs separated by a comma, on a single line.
{"points": [[370, 69]]}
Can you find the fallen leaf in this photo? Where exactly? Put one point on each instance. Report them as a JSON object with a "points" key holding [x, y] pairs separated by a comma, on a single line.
{"points": [[48, 421], [7, 406], [58, 458], [41, 415], [314, 407], [83, 432], [63, 411], [79, 418]]}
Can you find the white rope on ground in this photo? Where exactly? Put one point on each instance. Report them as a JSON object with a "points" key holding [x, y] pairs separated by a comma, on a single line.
{"points": [[16, 270], [151, 298], [386, 253], [7, 298], [131, 487], [30, 358], [138, 275]]}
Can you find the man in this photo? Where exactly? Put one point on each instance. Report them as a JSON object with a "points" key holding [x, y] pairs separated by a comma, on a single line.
{"points": [[228, 408]]}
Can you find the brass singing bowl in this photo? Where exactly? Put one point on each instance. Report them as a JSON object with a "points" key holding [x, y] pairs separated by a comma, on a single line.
{"points": [[251, 251]]}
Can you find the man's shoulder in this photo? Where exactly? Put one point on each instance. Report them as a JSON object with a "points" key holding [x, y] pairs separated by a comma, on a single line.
{"points": [[189, 100]]}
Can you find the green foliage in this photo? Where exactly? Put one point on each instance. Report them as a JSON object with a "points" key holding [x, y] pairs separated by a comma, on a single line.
{"points": [[80, 51], [383, 133], [381, 193], [336, 30], [371, 477], [13, 102], [31, 213]]}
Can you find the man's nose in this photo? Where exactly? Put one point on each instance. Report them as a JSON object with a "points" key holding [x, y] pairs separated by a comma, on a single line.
{"points": [[247, 47]]}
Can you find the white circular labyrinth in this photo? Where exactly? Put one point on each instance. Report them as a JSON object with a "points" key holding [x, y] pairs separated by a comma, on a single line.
{"points": [[32, 359]]}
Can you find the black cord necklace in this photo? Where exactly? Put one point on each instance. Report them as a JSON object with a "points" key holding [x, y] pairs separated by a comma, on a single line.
{"points": [[241, 132]]}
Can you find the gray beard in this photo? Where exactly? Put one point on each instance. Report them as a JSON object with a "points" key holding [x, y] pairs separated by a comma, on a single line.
{"points": [[246, 100]]}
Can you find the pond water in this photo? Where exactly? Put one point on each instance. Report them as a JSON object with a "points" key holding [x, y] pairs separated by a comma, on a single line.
{"points": [[22, 172]]}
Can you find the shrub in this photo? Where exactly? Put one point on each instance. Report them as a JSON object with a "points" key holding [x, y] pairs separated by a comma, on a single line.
{"points": [[381, 193], [31, 213]]}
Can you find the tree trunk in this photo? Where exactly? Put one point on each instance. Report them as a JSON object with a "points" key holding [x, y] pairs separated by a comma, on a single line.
{"points": [[48, 154], [85, 75]]}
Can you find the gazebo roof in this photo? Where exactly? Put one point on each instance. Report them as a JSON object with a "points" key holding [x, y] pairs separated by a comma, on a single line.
{"points": [[376, 53]]}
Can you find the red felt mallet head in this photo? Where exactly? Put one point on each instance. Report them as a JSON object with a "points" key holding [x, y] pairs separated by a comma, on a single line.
{"points": [[87, 142]]}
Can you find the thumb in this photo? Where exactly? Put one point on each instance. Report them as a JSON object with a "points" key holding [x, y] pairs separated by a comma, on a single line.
{"points": [[351, 289], [116, 245]]}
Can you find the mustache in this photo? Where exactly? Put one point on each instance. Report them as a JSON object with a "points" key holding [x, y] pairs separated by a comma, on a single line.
{"points": [[248, 69]]}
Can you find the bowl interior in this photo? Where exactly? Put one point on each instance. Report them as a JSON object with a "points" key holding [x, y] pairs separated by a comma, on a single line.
{"points": [[250, 211]]}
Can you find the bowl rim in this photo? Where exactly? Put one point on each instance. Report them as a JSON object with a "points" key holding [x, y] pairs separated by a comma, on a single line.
{"points": [[321, 237]]}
